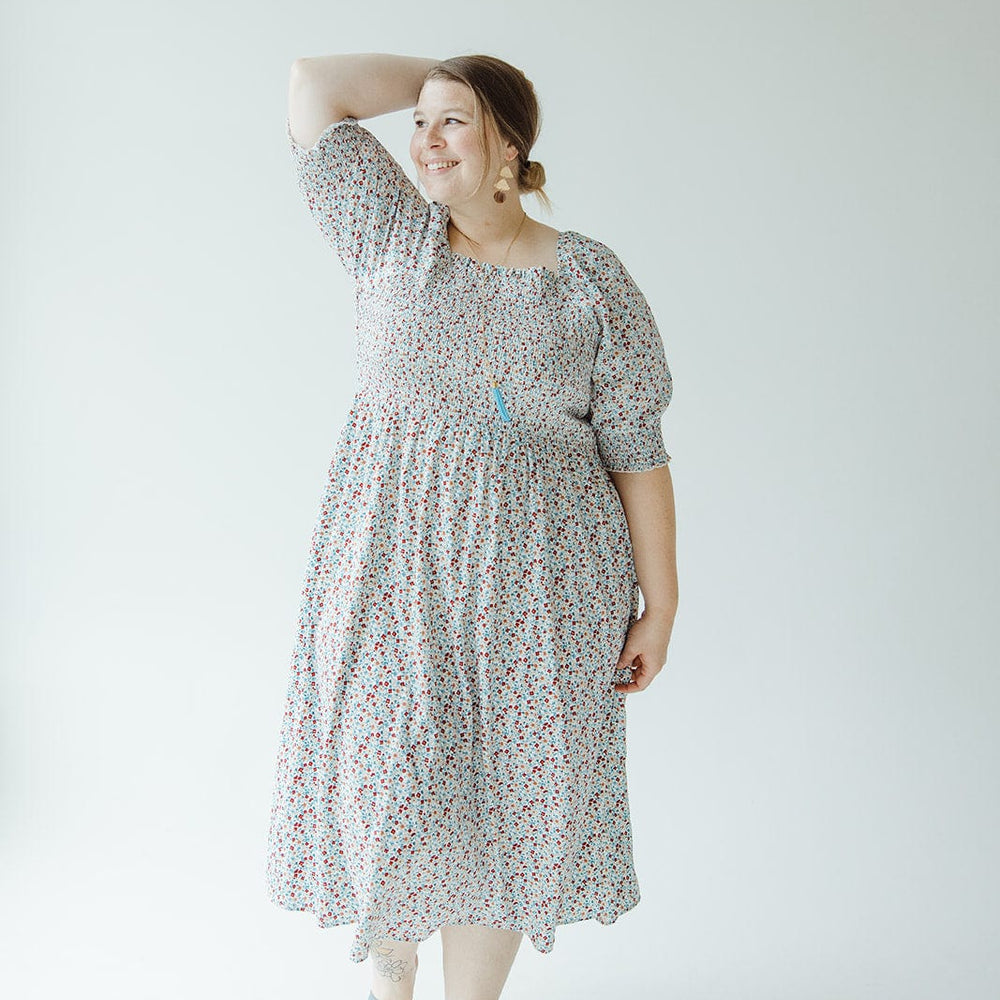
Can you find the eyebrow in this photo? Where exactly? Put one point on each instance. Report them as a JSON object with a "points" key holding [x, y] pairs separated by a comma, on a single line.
{"points": [[461, 111]]}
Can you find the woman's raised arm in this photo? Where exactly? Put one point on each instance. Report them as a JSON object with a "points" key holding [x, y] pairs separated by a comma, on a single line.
{"points": [[326, 89]]}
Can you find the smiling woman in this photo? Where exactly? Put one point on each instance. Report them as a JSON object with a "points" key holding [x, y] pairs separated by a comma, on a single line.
{"points": [[468, 107], [452, 752]]}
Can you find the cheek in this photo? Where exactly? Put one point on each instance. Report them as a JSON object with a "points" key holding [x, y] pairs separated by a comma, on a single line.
{"points": [[465, 148]]}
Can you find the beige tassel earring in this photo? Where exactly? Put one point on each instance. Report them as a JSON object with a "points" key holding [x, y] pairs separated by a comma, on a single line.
{"points": [[502, 185]]}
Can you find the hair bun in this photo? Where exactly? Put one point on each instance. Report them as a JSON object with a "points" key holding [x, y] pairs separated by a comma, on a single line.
{"points": [[534, 175]]}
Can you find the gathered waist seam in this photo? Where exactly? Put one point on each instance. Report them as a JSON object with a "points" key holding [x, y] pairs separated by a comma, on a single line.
{"points": [[442, 420]]}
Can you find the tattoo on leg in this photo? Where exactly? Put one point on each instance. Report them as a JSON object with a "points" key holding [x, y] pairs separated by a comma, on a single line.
{"points": [[388, 966]]}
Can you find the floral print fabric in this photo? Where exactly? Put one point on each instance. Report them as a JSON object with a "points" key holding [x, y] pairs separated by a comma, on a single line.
{"points": [[452, 750]]}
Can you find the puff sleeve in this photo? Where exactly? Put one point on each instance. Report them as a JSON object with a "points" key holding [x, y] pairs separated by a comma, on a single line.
{"points": [[631, 383], [357, 193]]}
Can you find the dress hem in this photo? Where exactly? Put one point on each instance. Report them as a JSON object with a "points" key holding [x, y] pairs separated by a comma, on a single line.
{"points": [[542, 939]]}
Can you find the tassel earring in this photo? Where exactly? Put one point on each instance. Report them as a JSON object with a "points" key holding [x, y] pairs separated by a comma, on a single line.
{"points": [[501, 185]]}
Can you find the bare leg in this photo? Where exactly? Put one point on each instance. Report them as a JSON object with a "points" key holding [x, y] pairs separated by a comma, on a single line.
{"points": [[394, 969], [477, 960]]}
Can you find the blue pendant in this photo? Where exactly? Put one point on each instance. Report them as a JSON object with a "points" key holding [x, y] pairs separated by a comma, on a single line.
{"points": [[504, 415]]}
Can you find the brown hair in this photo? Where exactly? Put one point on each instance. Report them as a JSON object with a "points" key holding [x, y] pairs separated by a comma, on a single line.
{"points": [[506, 97]]}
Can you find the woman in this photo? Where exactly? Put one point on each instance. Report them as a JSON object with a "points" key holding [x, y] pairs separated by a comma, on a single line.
{"points": [[453, 745]]}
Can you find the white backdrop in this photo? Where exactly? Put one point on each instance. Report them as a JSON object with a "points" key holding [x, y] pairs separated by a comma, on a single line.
{"points": [[807, 194]]}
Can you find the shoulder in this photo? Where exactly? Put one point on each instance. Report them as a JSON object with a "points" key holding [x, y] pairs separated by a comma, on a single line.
{"points": [[348, 150], [310, 141], [587, 251], [598, 266], [344, 152]]}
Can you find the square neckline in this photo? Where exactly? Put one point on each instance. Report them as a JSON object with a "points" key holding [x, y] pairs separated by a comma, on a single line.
{"points": [[445, 211]]}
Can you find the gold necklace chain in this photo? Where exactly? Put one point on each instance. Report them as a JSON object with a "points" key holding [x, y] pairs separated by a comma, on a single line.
{"points": [[490, 373], [470, 240]]}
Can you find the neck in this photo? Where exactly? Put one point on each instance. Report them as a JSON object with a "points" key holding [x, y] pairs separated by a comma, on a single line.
{"points": [[491, 232]]}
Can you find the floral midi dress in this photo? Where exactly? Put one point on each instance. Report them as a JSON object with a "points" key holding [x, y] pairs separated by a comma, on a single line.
{"points": [[452, 750]]}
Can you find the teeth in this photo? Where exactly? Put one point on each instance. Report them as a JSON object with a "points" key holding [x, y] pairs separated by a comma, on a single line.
{"points": [[441, 166]]}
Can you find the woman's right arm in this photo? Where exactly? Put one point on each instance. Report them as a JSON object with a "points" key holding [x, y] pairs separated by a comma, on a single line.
{"points": [[326, 89]]}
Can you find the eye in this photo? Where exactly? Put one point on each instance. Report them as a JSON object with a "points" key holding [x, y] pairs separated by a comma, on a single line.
{"points": [[420, 121]]}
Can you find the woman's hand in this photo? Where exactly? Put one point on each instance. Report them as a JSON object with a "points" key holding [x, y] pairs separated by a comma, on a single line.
{"points": [[645, 650]]}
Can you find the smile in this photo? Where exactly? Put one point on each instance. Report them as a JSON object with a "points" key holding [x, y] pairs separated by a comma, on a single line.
{"points": [[438, 167]]}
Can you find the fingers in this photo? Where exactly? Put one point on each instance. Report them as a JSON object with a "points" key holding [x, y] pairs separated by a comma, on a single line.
{"points": [[642, 674]]}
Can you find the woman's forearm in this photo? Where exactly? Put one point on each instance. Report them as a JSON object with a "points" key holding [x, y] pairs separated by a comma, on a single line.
{"points": [[362, 84], [648, 501]]}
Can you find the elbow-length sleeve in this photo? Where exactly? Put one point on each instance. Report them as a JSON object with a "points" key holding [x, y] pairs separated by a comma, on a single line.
{"points": [[357, 193], [631, 383]]}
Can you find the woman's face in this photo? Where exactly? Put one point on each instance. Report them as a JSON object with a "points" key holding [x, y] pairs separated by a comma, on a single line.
{"points": [[444, 131]]}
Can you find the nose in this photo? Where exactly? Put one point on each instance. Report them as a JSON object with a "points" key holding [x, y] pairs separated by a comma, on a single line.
{"points": [[432, 136]]}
